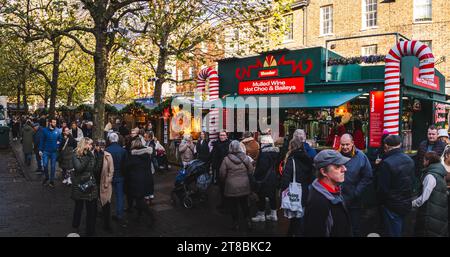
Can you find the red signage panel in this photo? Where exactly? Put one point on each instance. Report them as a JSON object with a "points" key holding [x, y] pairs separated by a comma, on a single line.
{"points": [[376, 118], [268, 73], [272, 86], [430, 84]]}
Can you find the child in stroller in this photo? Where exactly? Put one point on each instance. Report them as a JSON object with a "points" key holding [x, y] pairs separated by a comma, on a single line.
{"points": [[191, 184]]}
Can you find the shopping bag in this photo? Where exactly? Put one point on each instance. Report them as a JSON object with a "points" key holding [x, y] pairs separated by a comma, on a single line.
{"points": [[291, 197]]}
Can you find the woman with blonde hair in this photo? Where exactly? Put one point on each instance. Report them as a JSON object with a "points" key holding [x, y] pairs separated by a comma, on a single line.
{"points": [[84, 188]]}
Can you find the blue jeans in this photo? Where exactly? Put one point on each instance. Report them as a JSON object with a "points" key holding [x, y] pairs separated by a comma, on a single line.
{"points": [[47, 156], [118, 191], [393, 223]]}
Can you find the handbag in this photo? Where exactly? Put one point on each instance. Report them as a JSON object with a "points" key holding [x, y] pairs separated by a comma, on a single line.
{"points": [[291, 198], [88, 185]]}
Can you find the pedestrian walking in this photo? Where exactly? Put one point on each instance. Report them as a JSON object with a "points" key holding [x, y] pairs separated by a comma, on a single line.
{"points": [[301, 135], [202, 148], [27, 142], [431, 144], [15, 128], [219, 151], [251, 145], [48, 149], [138, 167], [65, 155], [76, 132], [304, 174], [187, 150], [357, 179], [87, 130], [325, 211], [119, 156], [37, 128], [266, 175], [432, 216], [84, 188], [395, 185], [234, 171]]}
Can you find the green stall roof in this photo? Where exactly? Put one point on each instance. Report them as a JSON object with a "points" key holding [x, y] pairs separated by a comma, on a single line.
{"points": [[307, 100]]}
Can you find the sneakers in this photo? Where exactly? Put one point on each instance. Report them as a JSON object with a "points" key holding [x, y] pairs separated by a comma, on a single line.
{"points": [[69, 181], [260, 217], [38, 172], [51, 184], [64, 181], [272, 216]]}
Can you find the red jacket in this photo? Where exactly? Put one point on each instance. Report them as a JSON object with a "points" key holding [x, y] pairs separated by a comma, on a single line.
{"points": [[358, 138]]}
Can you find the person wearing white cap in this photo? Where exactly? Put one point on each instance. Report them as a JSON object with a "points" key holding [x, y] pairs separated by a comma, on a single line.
{"points": [[443, 136], [87, 130], [265, 176]]}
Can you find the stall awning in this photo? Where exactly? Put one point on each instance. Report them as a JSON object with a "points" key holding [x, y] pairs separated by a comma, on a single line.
{"points": [[307, 100]]}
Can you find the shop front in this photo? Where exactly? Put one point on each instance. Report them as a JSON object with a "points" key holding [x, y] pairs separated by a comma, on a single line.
{"points": [[326, 101]]}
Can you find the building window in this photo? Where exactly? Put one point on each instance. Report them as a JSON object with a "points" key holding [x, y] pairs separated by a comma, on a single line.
{"points": [[289, 26], [422, 10], [369, 14], [429, 43], [326, 20], [369, 50]]}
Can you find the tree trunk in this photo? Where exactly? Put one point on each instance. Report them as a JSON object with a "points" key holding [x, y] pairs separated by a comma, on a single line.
{"points": [[24, 92], [101, 69], [70, 96], [161, 70], [19, 90], [55, 76], [46, 96]]}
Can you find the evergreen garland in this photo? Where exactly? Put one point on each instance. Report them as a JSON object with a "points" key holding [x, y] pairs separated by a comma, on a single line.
{"points": [[356, 60]]}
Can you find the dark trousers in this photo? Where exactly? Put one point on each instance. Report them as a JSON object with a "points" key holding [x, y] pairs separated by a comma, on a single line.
{"points": [[38, 158], [355, 219], [106, 211], [91, 210], [262, 200], [448, 212], [295, 227], [234, 203]]}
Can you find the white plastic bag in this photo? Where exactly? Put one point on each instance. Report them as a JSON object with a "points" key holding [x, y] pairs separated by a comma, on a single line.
{"points": [[291, 198]]}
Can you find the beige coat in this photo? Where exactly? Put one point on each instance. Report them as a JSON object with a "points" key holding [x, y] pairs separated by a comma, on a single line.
{"points": [[106, 179], [234, 171], [187, 151], [251, 147]]}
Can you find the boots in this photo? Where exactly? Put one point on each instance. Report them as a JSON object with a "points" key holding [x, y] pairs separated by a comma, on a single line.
{"points": [[260, 217], [272, 216]]}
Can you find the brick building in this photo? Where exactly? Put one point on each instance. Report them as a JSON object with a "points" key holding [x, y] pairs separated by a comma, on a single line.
{"points": [[313, 22]]}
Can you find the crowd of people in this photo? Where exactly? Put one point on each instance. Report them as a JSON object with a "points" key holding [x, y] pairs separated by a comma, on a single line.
{"points": [[334, 183]]}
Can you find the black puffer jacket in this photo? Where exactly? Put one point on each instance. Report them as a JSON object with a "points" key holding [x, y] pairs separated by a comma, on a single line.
{"points": [[220, 150], [139, 172], [268, 160], [395, 183], [84, 169], [437, 147], [304, 172]]}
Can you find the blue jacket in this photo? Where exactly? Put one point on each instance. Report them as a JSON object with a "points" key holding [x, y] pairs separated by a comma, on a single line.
{"points": [[357, 177], [37, 137], [119, 156], [50, 140]]}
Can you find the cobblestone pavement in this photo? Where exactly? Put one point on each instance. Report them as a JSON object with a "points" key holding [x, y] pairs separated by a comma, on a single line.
{"points": [[29, 209]]}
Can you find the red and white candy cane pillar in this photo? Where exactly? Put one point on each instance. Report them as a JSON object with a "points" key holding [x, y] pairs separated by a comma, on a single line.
{"points": [[392, 78], [213, 76]]}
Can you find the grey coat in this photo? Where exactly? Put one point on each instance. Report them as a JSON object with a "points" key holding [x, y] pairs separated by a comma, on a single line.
{"points": [[27, 139], [235, 170]]}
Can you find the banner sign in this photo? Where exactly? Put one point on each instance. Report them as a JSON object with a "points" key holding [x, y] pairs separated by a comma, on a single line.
{"points": [[272, 86], [376, 118]]}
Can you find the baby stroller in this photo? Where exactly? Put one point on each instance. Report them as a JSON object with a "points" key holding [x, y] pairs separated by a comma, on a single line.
{"points": [[161, 160], [191, 184]]}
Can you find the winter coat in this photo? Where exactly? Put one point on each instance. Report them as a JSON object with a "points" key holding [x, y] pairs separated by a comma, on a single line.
{"points": [[311, 151], [87, 132], [202, 149], [268, 161], [304, 172], [119, 156], [139, 172], [326, 214], [106, 178], [219, 151], [186, 150], [84, 170], [395, 182], [438, 147], [77, 134], [50, 139], [27, 139], [37, 137], [251, 147], [357, 178], [432, 216], [234, 171], [67, 153]]}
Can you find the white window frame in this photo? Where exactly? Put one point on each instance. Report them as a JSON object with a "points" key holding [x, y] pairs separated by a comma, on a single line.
{"points": [[365, 13], [369, 48], [417, 5], [329, 20], [289, 32]]}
